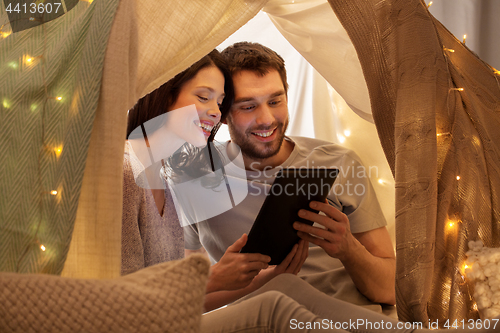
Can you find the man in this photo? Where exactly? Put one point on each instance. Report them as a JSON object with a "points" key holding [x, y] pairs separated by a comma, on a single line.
{"points": [[353, 227]]}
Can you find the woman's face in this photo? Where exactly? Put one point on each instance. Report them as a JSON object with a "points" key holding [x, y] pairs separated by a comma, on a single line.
{"points": [[205, 91]]}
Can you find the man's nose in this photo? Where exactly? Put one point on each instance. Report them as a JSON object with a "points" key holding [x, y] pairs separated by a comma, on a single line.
{"points": [[265, 115]]}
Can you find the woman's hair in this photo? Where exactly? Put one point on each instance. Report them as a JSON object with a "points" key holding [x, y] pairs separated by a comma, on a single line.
{"points": [[160, 100]]}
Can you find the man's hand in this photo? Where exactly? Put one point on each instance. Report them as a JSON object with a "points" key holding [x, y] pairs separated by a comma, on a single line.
{"points": [[291, 264], [367, 256], [336, 239], [236, 270]]}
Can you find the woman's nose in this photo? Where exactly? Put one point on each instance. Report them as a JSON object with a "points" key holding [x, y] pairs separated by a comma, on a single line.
{"points": [[213, 111]]}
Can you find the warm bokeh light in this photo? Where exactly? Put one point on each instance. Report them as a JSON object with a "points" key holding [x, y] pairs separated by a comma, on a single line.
{"points": [[54, 192]]}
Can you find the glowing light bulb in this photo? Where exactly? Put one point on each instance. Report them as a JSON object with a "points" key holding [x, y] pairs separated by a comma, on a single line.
{"points": [[430, 4], [449, 50], [6, 34], [381, 181], [6, 104], [347, 133], [58, 150], [465, 37], [33, 107], [59, 98], [42, 247], [458, 177], [341, 138], [13, 64], [451, 224], [53, 192]]}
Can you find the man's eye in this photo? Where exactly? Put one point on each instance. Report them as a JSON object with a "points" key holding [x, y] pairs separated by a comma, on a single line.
{"points": [[247, 107], [274, 102]]}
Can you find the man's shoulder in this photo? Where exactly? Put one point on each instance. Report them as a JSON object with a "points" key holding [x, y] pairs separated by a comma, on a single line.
{"points": [[305, 144]]}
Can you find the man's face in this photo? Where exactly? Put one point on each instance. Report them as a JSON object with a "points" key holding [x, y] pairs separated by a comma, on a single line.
{"points": [[259, 116]]}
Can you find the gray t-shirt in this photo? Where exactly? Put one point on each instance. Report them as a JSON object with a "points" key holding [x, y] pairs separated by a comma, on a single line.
{"points": [[352, 193]]}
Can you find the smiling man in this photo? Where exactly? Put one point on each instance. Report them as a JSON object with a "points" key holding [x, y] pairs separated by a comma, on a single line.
{"points": [[351, 235]]}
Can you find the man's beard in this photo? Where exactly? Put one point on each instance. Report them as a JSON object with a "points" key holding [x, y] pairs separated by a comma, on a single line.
{"points": [[262, 150]]}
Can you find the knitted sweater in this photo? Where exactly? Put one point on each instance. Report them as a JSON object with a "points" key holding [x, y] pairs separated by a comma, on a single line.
{"points": [[148, 238]]}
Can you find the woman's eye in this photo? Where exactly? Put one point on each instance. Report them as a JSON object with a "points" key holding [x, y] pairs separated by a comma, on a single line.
{"points": [[203, 99]]}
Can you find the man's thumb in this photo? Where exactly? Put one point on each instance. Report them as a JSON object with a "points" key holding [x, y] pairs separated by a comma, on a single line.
{"points": [[238, 245]]}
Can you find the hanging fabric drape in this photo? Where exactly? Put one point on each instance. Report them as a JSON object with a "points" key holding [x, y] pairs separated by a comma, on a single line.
{"points": [[51, 76], [436, 107], [149, 43]]}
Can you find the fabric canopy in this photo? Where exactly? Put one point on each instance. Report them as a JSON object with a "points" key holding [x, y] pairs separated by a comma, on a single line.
{"points": [[435, 111]]}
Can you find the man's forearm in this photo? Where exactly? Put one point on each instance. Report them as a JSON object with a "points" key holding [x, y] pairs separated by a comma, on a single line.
{"points": [[373, 276]]}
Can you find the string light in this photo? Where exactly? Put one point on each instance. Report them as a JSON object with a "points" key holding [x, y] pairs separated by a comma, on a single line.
{"points": [[341, 138], [458, 177], [58, 150], [381, 181], [6, 103], [4, 34], [13, 65], [465, 37], [347, 133], [457, 89], [448, 50], [430, 4], [29, 60], [442, 134]]}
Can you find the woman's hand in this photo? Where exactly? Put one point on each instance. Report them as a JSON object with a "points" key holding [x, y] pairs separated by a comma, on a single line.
{"points": [[291, 264], [236, 270]]}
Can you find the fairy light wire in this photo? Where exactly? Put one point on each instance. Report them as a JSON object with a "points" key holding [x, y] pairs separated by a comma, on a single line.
{"points": [[41, 154]]}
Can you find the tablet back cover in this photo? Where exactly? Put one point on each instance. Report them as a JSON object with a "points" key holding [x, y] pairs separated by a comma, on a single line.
{"points": [[272, 233]]}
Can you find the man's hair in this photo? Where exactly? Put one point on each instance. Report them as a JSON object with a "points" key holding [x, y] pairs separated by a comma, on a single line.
{"points": [[256, 58]]}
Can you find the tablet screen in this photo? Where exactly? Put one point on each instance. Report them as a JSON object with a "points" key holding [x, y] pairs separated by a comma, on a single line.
{"points": [[272, 233]]}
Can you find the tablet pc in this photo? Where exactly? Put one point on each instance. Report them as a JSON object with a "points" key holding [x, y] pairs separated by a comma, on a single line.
{"points": [[272, 232]]}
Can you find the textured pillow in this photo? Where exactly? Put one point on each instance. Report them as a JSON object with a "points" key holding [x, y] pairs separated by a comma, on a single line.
{"points": [[164, 298], [484, 270]]}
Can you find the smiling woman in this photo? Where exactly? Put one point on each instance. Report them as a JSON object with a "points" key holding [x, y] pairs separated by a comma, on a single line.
{"points": [[188, 108]]}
